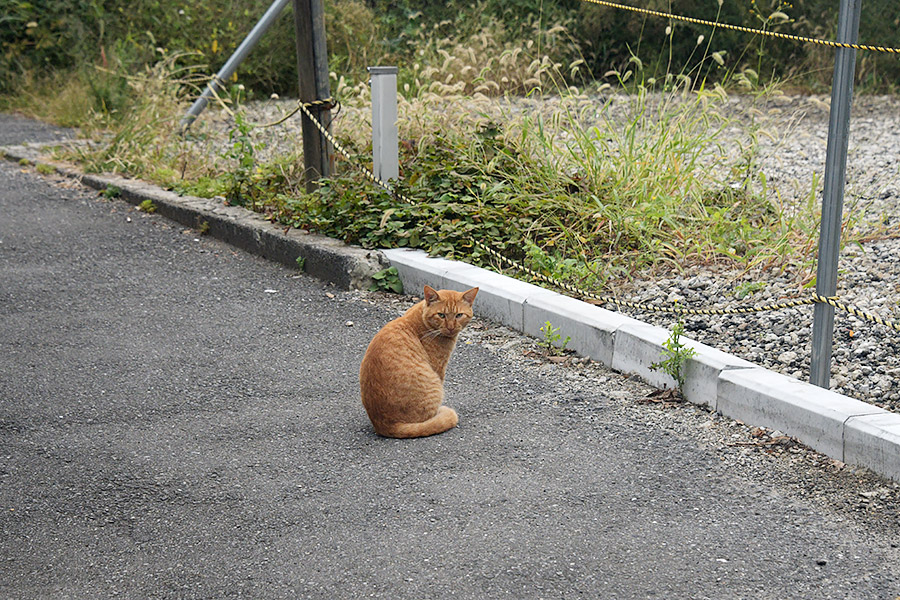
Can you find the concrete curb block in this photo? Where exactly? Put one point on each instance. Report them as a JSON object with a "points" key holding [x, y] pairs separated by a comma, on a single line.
{"points": [[843, 428], [813, 415], [324, 258], [874, 441]]}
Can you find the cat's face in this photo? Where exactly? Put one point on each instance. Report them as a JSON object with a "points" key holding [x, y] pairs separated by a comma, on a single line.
{"points": [[448, 312]]}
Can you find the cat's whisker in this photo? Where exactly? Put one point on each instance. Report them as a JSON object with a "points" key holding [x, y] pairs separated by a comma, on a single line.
{"points": [[430, 334]]}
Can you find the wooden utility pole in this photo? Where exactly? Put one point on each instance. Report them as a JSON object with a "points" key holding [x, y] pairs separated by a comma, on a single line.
{"points": [[312, 69]]}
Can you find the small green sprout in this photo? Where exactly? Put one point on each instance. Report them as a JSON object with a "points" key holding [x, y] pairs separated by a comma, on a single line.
{"points": [[675, 355], [111, 191], [551, 337]]}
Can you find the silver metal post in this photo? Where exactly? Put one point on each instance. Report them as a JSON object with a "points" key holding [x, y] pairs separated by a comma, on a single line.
{"points": [[833, 196], [231, 65], [385, 151]]}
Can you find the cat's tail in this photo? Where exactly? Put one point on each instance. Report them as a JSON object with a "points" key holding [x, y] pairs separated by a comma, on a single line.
{"points": [[445, 419]]}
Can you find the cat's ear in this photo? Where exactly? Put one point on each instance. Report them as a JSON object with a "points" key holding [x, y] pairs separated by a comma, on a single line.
{"points": [[431, 296], [469, 296]]}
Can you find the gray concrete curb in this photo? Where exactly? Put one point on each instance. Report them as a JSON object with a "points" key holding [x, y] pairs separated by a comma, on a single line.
{"points": [[324, 258], [845, 429]]}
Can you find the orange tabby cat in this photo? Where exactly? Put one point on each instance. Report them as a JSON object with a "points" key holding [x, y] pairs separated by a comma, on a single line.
{"points": [[402, 374]]}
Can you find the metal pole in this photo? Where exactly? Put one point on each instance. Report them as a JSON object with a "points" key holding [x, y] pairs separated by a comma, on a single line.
{"points": [[312, 72], [231, 65], [833, 196], [385, 153]]}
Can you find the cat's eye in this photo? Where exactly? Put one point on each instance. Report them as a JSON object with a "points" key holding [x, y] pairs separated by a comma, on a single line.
{"points": [[442, 315], [459, 315]]}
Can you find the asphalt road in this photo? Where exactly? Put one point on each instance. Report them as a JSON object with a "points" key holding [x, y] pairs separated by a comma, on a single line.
{"points": [[182, 420]]}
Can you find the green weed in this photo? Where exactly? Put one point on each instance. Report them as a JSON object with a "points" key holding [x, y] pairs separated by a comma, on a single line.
{"points": [[554, 345], [387, 280], [240, 151], [112, 191], [674, 356], [748, 288]]}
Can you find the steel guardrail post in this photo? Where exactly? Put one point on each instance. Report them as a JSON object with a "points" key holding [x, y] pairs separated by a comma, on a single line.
{"points": [[385, 139], [833, 195], [217, 83]]}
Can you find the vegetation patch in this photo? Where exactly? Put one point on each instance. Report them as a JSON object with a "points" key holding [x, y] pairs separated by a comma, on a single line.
{"points": [[674, 356], [586, 143], [387, 280]]}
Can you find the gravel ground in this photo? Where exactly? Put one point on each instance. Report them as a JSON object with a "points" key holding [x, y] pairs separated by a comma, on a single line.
{"points": [[793, 138], [866, 361]]}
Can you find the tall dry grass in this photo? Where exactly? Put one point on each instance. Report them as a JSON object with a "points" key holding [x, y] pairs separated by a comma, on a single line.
{"points": [[586, 183]]}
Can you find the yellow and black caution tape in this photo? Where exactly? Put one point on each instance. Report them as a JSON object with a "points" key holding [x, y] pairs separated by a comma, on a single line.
{"points": [[855, 311], [774, 34], [814, 299]]}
